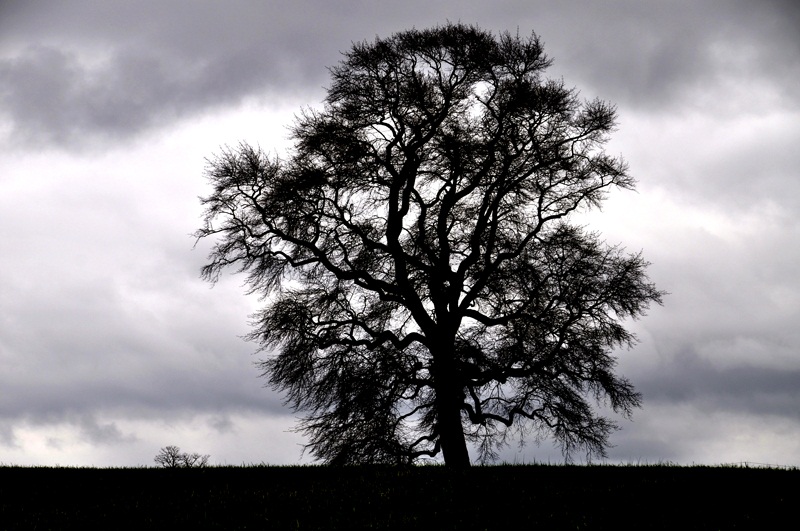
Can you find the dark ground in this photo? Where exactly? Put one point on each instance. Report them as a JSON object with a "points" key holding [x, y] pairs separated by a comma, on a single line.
{"points": [[427, 497]]}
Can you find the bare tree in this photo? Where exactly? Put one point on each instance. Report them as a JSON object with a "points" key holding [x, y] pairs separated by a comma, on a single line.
{"points": [[424, 287], [172, 457]]}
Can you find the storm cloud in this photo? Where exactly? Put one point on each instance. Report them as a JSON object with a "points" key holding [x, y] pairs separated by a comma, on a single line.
{"points": [[111, 346]]}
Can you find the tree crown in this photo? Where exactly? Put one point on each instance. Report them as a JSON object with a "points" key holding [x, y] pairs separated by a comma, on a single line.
{"points": [[417, 258]]}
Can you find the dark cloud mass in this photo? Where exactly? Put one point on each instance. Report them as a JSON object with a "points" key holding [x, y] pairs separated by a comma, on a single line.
{"points": [[748, 389], [86, 72], [124, 71], [53, 98], [110, 345]]}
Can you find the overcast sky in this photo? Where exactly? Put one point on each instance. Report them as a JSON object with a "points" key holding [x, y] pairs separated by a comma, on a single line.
{"points": [[112, 347]]}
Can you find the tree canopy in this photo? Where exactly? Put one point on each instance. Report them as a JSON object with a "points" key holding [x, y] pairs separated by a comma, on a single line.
{"points": [[424, 287]]}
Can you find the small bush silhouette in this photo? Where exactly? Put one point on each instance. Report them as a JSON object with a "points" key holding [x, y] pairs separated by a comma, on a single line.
{"points": [[171, 457]]}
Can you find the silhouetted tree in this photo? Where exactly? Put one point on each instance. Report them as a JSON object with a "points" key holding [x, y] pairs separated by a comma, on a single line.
{"points": [[423, 285], [172, 457]]}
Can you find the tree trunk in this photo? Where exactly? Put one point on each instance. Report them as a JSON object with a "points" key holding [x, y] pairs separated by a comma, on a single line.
{"points": [[451, 431], [449, 395], [449, 399]]}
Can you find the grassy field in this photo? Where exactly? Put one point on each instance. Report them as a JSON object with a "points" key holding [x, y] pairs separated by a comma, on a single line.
{"points": [[427, 497]]}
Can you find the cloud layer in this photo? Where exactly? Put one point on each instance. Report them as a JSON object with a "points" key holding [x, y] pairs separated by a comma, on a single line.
{"points": [[111, 346]]}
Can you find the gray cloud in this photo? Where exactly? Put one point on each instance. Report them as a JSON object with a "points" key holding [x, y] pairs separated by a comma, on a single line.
{"points": [[101, 72], [102, 433], [692, 379], [52, 98], [104, 324], [90, 74], [652, 56], [90, 352]]}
